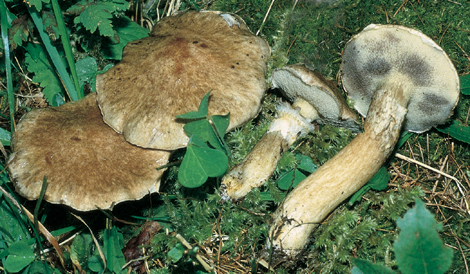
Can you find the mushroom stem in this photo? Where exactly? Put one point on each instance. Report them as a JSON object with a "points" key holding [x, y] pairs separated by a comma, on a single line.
{"points": [[261, 162], [320, 193]]}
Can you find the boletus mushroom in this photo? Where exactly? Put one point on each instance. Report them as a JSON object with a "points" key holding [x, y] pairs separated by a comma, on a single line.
{"points": [[314, 99], [169, 72], [399, 78], [86, 163]]}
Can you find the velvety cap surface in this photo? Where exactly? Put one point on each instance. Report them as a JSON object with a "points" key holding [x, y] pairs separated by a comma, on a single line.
{"points": [[86, 162], [169, 72]]}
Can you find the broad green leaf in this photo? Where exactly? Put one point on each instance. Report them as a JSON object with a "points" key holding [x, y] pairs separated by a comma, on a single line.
{"points": [[201, 113], [305, 163], [457, 130], [41, 267], [221, 123], [127, 31], [87, 69], [287, 179], [366, 267], [80, 250], [19, 31], [201, 162], [20, 256], [37, 3], [50, 25], [44, 74], [95, 15], [5, 137], [95, 264], [378, 182], [418, 248], [465, 84], [176, 253], [113, 243]]}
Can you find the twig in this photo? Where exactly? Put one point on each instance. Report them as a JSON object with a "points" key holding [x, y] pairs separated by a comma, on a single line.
{"points": [[403, 157], [265, 17], [198, 257]]}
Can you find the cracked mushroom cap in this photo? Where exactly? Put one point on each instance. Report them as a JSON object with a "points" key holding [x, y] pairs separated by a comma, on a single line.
{"points": [[86, 162], [169, 72], [315, 96], [389, 55]]}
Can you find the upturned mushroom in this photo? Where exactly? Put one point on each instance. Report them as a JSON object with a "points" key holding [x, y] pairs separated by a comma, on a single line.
{"points": [[314, 99], [86, 163], [399, 78], [169, 72]]}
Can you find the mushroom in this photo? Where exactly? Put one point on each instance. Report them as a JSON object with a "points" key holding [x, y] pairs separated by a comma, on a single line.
{"points": [[87, 164], [315, 99], [169, 72], [388, 79]]}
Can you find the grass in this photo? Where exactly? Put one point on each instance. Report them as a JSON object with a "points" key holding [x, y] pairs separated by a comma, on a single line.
{"points": [[228, 235]]}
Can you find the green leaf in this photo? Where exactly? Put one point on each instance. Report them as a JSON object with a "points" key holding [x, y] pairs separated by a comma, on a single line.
{"points": [[37, 3], [366, 267], [287, 179], [95, 264], [201, 113], [80, 250], [378, 182], [127, 31], [19, 31], [44, 74], [113, 243], [457, 130], [176, 253], [221, 123], [465, 84], [418, 248], [305, 163], [95, 15], [5, 137], [87, 69], [201, 162], [20, 256]]}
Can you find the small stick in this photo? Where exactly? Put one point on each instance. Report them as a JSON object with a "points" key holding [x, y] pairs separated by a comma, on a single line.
{"points": [[198, 257], [403, 157], [265, 17]]}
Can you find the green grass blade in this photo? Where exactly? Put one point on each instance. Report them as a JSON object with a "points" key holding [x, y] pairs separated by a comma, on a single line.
{"points": [[6, 46], [66, 44], [54, 55]]}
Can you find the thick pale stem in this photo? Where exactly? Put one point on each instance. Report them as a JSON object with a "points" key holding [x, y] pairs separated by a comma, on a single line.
{"points": [[261, 162], [256, 168], [320, 193]]}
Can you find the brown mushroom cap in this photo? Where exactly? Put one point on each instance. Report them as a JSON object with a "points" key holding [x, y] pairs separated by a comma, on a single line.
{"points": [[169, 72], [314, 95], [387, 55], [86, 162]]}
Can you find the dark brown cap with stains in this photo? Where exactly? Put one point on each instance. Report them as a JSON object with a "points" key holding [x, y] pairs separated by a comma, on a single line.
{"points": [[169, 72], [87, 164], [382, 56]]}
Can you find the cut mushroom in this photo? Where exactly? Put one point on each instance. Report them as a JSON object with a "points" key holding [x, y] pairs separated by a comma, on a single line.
{"points": [[169, 72], [394, 79], [314, 98], [87, 164]]}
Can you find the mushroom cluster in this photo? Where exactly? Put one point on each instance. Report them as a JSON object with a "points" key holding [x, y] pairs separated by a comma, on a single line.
{"points": [[105, 148], [397, 86]]}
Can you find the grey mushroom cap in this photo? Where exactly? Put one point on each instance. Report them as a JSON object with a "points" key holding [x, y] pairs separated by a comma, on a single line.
{"points": [[314, 95], [385, 55], [87, 164], [169, 72]]}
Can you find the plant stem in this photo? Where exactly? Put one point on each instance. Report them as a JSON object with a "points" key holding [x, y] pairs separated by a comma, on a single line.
{"points": [[6, 46], [66, 44]]}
